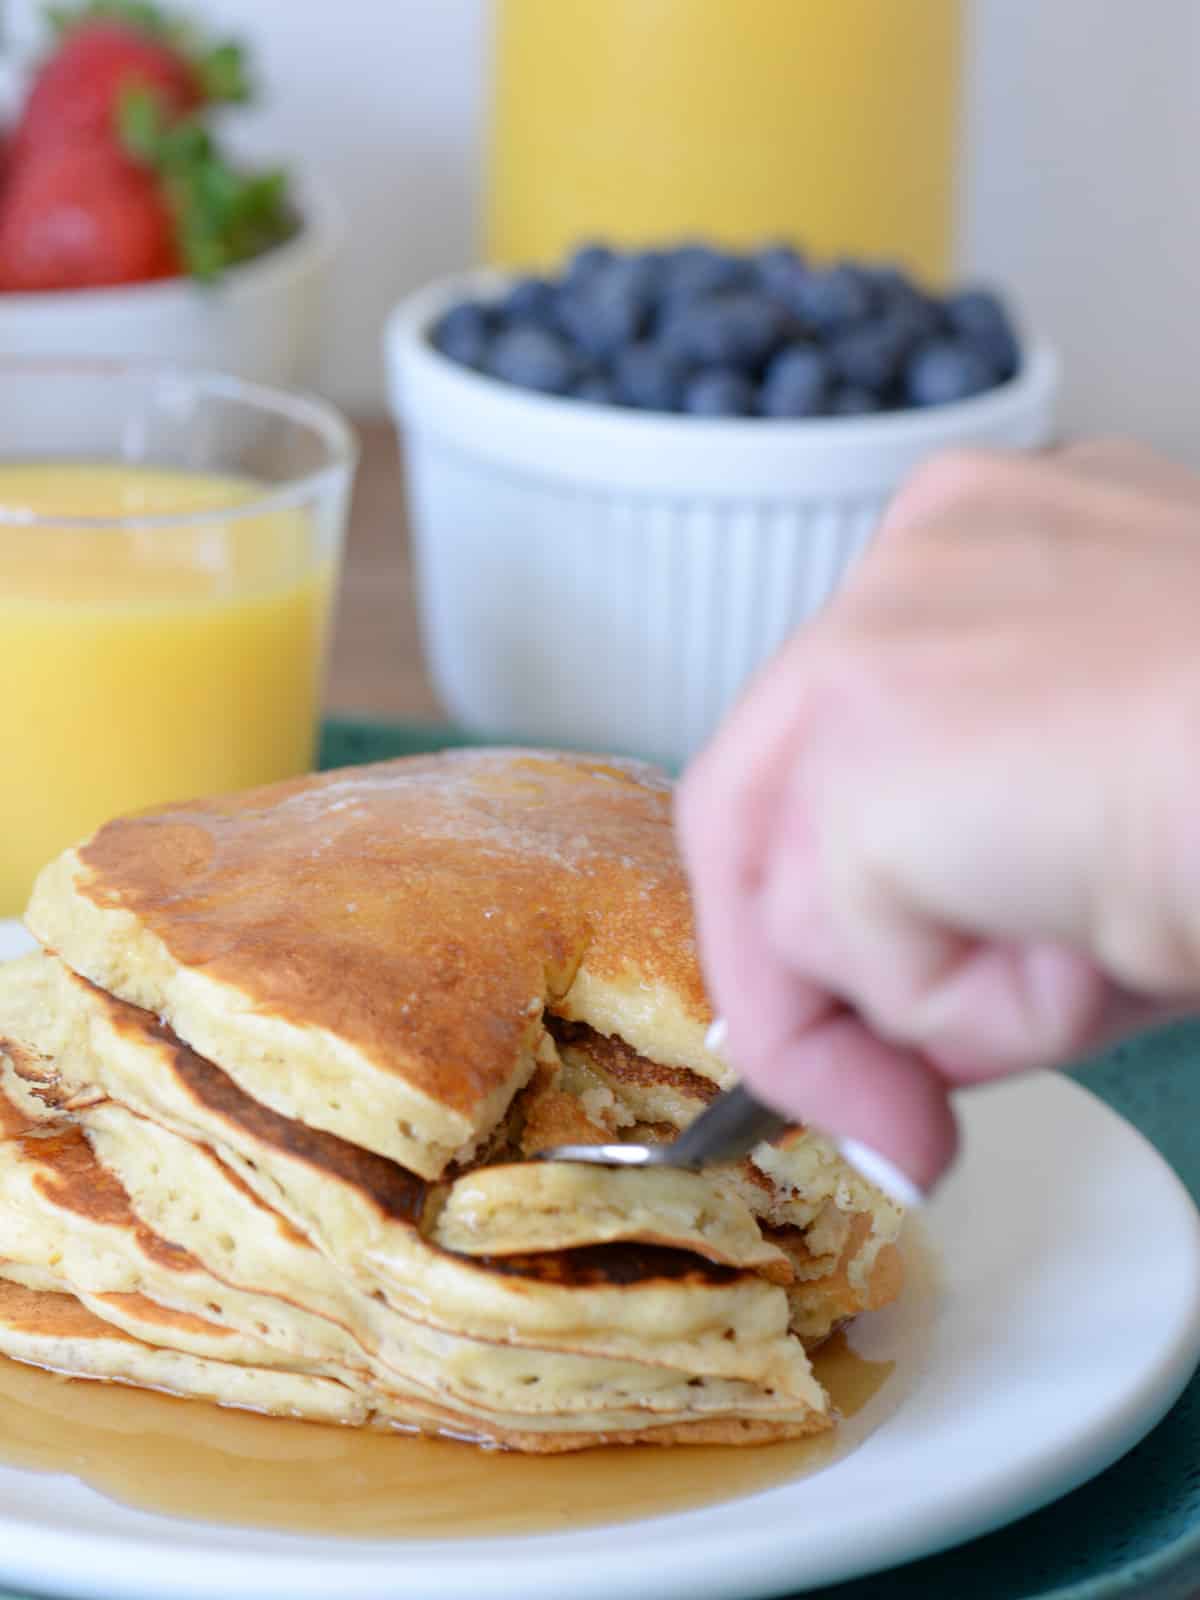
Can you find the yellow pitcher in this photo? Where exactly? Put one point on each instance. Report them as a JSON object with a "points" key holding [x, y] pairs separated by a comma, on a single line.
{"points": [[831, 122]]}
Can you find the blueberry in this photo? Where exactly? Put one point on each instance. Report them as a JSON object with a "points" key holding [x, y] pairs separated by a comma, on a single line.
{"points": [[852, 400], [464, 332], [833, 298], [649, 269], [531, 300], [943, 370], [979, 317], [532, 358], [898, 298], [778, 267], [651, 257], [650, 377], [700, 269], [596, 388], [600, 325], [871, 355], [795, 384], [719, 392], [737, 330], [889, 280], [917, 314], [606, 312], [587, 259]]}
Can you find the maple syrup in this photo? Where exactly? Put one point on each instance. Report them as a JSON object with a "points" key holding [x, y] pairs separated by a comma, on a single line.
{"points": [[184, 1458]]}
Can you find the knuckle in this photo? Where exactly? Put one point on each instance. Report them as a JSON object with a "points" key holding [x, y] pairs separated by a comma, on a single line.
{"points": [[1105, 450], [1145, 952], [953, 485], [693, 799], [708, 798]]}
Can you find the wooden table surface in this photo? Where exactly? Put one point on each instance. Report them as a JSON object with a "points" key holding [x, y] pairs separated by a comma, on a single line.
{"points": [[376, 667]]}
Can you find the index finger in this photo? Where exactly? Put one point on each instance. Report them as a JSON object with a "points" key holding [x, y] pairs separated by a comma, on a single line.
{"points": [[787, 1031], [726, 807]]}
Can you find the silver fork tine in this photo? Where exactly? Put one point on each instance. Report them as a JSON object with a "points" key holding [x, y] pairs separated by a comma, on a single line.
{"points": [[725, 1130], [728, 1128]]}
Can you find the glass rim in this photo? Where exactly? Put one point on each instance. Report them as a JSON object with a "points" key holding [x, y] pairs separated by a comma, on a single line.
{"points": [[302, 409]]}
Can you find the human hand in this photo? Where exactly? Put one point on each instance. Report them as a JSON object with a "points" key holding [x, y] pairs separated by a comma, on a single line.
{"points": [[950, 832]]}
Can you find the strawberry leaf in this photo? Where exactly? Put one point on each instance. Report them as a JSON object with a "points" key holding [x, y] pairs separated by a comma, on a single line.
{"points": [[223, 73], [141, 125], [223, 215]]}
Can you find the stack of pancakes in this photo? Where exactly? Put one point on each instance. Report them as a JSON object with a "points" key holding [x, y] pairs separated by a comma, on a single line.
{"points": [[272, 1087]]}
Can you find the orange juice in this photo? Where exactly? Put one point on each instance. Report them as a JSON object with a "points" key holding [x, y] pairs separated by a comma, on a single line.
{"points": [[144, 664], [832, 122]]}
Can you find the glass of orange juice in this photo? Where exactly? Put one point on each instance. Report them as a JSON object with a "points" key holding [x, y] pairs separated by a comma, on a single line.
{"points": [[169, 550]]}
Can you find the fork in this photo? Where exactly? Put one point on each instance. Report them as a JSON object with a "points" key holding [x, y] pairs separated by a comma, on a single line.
{"points": [[728, 1128], [724, 1131]]}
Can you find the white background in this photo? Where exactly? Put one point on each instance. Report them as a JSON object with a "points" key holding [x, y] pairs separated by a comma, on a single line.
{"points": [[1080, 174]]}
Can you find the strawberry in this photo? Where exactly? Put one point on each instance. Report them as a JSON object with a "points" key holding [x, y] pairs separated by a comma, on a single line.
{"points": [[74, 95], [109, 47], [81, 216], [112, 175]]}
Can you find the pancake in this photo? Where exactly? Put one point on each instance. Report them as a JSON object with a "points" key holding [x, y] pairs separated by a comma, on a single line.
{"points": [[368, 1214], [370, 952], [271, 1094], [53, 1330], [514, 1208], [798, 1183], [94, 1205], [74, 1213], [66, 1223]]}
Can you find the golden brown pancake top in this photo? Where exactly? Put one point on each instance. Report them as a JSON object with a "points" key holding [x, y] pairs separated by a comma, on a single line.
{"points": [[420, 909]]}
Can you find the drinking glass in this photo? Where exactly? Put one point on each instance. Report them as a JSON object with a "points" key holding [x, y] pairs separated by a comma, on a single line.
{"points": [[170, 545]]}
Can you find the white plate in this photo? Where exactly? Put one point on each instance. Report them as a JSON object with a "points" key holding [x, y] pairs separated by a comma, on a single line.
{"points": [[1068, 1321]]}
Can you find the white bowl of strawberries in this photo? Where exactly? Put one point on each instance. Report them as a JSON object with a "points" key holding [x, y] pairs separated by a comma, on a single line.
{"points": [[126, 231]]}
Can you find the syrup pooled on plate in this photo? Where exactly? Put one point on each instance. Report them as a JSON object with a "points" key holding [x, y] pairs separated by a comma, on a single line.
{"points": [[184, 1458], [188, 1459]]}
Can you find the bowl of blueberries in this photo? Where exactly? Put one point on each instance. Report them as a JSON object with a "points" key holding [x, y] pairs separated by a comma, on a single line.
{"points": [[631, 479]]}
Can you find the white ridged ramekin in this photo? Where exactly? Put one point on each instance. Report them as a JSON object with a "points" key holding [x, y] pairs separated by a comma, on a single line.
{"points": [[609, 579]]}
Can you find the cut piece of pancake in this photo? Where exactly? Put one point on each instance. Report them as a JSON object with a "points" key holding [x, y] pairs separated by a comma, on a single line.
{"points": [[270, 1099], [510, 1209]]}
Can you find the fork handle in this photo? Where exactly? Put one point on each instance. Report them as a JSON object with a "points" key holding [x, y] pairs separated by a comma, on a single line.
{"points": [[730, 1127]]}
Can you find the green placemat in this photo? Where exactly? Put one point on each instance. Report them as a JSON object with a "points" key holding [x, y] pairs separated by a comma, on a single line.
{"points": [[1133, 1531]]}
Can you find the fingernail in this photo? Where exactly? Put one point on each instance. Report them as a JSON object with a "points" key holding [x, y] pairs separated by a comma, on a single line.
{"points": [[884, 1174], [716, 1036]]}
